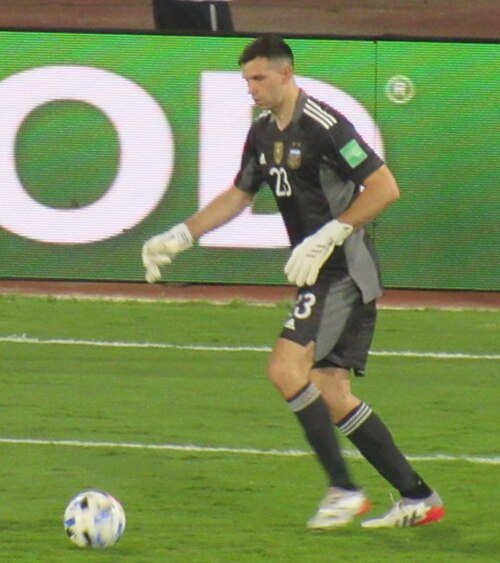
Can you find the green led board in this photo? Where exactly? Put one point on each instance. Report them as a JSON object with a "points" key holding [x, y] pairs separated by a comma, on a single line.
{"points": [[107, 139]]}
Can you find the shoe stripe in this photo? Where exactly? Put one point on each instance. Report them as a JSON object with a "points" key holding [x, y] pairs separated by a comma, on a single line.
{"points": [[356, 420], [407, 516]]}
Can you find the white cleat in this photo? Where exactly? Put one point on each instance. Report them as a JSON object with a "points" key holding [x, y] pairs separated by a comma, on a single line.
{"points": [[409, 512], [338, 508]]}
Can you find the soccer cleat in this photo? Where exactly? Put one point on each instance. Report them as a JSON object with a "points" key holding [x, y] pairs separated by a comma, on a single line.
{"points": [[410, 512], [338, 508]]}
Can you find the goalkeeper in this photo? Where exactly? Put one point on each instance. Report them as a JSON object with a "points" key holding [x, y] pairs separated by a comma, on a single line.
{"points": [[315, 163]]}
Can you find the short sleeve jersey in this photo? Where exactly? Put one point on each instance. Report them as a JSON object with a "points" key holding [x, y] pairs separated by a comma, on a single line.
{"points": [[315, 168]]}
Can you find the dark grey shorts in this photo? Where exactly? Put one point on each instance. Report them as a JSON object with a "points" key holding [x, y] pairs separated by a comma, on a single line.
{"points": [[333, 316]]}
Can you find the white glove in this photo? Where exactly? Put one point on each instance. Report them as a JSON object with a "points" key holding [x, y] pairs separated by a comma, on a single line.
{"points": [[307, 258], [161, 250]]}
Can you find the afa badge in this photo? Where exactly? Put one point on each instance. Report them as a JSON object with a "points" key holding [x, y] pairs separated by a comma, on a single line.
{"points": [[294, 159]]}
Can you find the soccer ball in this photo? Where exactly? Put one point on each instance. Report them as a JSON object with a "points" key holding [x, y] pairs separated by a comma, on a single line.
{"points": [[94, 519]]}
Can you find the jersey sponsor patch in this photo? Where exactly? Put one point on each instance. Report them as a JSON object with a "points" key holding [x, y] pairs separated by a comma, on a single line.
{"points": [[353, 153]]}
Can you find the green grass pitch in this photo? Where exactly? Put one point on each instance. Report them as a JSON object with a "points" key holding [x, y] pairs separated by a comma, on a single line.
{"points": [[98, 394]]}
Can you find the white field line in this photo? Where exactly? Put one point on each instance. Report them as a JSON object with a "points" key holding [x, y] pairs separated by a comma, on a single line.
{"points": [[190, 448], [24, 339]]}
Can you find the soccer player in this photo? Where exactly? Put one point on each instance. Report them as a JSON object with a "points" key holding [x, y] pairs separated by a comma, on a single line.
{"points": [[315, 163]]}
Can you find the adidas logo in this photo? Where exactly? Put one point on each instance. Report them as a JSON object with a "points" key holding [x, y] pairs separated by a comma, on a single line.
{"points": [[262, 158], [290, 323]]}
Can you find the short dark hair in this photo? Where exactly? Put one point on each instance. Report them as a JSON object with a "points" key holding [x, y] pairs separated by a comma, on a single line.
{"points": [[267, 46]]}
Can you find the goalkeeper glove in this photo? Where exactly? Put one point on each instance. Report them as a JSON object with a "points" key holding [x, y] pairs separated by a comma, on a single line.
{"points": [[307, 258], [161, 250]]}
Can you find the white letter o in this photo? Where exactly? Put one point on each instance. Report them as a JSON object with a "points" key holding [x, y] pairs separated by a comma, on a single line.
{"points": [[145, 162]]}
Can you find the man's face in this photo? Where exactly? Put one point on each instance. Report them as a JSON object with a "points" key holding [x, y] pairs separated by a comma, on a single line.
{"points": [[266, 81]]}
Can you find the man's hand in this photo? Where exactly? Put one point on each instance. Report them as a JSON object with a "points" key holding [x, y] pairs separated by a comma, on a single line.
{"points": [[307, 258], [161, 250]]}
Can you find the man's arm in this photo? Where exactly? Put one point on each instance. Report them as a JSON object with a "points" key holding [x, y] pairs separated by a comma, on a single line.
{"points": [[308, 257], [161, 249], [222, 209], [381, 189]]}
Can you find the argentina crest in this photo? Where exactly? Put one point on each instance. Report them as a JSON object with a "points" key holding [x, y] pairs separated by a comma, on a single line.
{"points": [[294, 158]]}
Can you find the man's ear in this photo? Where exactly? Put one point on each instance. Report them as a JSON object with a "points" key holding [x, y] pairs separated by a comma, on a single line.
{"points": [[287, 73]]}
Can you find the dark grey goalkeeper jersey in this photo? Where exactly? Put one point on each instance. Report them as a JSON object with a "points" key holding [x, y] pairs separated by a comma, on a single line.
{"points": [[314, 168]]}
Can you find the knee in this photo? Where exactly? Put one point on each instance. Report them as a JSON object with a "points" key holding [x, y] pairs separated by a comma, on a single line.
{"points": [[336, 390], [289, 367], [277, 370], [288, 375]]}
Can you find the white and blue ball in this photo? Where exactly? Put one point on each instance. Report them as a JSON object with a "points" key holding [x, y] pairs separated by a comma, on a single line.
{"points": [[94, 519]]}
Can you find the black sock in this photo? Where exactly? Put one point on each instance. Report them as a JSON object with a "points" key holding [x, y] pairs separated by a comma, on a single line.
{"points": [[314, 417], [373, 439]]}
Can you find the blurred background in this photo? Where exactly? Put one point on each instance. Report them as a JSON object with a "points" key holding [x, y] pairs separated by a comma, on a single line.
{"points": [[414, 18], [419, 79]]}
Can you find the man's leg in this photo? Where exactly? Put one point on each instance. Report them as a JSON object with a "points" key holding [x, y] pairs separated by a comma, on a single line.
{"points": [[289, 369], [224, 18], [171, 15], [356, 420]]}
